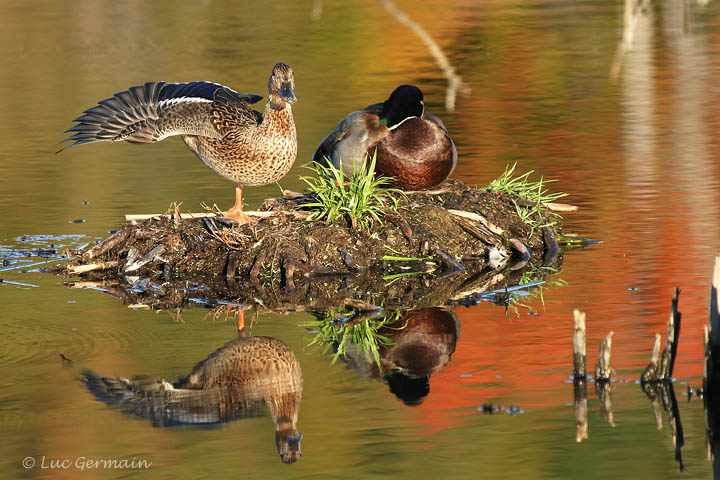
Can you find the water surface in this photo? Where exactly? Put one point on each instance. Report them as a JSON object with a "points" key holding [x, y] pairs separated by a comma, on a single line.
{"points": [[629, 131]]}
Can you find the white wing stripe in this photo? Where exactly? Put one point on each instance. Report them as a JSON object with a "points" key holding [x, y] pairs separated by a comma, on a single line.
{"points": [[173, 101]]}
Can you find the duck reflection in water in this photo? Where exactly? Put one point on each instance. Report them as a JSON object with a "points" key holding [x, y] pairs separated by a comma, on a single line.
{"points": [[422, 341], [232, 383]]}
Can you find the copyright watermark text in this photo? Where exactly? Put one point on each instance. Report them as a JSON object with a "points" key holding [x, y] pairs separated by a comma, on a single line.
{"points": [[85, 463]]}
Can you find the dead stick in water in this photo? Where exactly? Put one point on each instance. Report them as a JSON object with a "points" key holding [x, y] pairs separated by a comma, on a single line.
{"points": [[581, 421], [653, 369], [671, 341], [711, 377], [579, 350], [580, 377], [603, 369]]}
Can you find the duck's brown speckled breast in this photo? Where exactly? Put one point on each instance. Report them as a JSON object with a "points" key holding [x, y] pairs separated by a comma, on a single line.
{"points": [[258, 156]]}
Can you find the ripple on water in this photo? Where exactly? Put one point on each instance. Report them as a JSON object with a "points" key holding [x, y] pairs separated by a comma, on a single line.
{"points": [[35, 342]]}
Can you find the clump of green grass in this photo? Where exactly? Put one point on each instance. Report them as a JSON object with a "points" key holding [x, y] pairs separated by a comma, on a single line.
{"points": [[535, 191], [361, 201], [341, 328]]}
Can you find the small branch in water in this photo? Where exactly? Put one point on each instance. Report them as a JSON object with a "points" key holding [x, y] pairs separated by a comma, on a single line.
{"points": [[455, 83]]}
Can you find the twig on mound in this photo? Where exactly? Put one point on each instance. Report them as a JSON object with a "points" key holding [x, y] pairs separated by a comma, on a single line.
{"points": [[78, 269], [452, 264], [478, 218], [132, 264], [252, 213], [107, 244], [552, 206]]}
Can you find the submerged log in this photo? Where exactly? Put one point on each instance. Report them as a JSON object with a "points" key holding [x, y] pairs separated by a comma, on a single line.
{"points": [[459, 239]]}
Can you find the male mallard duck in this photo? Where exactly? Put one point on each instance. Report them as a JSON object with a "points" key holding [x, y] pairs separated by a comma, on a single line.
{"points": [[215, 122], [413, 146], [422, 341], [234, 382]]}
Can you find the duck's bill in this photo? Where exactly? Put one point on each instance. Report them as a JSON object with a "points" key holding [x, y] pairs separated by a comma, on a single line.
{"points": [[287, 94]]}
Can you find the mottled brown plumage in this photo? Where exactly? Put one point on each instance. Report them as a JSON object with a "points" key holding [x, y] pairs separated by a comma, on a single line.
{"points": [[412, 145], [238, 143], [232, 383]]}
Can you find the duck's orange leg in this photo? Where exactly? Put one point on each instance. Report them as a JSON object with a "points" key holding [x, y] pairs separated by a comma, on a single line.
{"points": [[236, 212], [241, 320]]}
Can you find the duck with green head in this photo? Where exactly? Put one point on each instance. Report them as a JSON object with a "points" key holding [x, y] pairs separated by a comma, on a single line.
{"points": [[413, 146]]}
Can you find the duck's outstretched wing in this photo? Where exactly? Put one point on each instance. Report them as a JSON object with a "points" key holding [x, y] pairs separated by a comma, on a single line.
{"points": [[157, 110], [168, 406]]}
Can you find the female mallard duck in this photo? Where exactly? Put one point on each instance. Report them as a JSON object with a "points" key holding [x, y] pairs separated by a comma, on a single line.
{"points": [[413, 146], [238, 143], [232, 383]]}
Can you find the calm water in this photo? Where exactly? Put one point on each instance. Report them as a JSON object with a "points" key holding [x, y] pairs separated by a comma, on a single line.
{"points": [[630, 132]]}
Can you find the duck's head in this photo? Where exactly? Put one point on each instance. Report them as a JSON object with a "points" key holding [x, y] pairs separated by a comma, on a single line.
{"points": [[281, 86], [405, 101], [288, 445]]}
